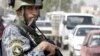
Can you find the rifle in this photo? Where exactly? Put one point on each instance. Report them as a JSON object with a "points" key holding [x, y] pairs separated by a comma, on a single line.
{"points": [[58, 53], [43, 37]]}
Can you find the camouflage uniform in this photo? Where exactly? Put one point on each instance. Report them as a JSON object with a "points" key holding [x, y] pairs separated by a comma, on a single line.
{"points": [[11, 34], [13, 42]]}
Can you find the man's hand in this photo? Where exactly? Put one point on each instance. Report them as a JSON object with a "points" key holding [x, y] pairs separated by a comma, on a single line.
{"points": [[44, 45]]}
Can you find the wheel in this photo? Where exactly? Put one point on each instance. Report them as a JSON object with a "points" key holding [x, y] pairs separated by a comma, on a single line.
{"points": [[71, 53], [58, 44], [62, 46], [74, 54]]}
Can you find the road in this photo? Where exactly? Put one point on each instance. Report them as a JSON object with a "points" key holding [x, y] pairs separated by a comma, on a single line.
{"points": [[65, 52]]}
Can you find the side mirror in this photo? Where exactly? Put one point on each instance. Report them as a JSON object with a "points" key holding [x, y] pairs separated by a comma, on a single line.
{"points": [[64, 22]]}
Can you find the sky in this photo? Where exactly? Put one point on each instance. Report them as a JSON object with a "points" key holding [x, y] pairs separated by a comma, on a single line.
{"points": [[90, 2]]}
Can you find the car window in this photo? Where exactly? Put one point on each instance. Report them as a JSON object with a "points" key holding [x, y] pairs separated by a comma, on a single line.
{"points": [[84, 31], [43, 24], [95, 41], [72, 21], [41, 18]]}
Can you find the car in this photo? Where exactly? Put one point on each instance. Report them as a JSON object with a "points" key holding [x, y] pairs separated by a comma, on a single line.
{"points": [[76, 38], [91, 44], [45, 26], [69, 21]]}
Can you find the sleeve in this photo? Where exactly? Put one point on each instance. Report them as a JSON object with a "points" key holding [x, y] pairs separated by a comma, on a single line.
{"points": [[14, 43]]}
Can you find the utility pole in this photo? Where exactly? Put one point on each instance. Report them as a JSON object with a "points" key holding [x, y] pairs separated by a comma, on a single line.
{"points": [[59, 5], [72, 5]]}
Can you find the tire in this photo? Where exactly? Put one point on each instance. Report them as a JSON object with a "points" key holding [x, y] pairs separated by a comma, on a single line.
{"points": [[71, 53], [74, 54], [58, 44], [64, 47]]}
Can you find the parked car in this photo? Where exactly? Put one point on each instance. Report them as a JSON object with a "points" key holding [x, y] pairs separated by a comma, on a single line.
{"points": [[71, 20], [91, 44], [77, 36], [45, 27]]}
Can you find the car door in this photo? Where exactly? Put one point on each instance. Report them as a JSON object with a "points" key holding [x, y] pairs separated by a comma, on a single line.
{"points": [[85, 46]]}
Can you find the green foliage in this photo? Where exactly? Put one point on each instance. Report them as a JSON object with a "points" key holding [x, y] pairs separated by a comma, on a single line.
{"points": [[66, 5], [52, 5]]}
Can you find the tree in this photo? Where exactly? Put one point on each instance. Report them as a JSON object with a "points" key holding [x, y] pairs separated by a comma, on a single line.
{"points": [[66, 5], [52, 5]]}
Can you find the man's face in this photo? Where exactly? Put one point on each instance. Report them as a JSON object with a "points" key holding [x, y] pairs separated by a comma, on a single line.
{"points": [[31, 12]]}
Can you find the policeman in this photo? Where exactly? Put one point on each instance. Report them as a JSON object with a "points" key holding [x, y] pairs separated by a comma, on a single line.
{"points": [[17, 40]]}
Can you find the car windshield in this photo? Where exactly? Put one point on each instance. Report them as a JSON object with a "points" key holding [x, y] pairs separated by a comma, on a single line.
{"points": [[95, 40], [43, 24], [84, 31], [41, 18], [72, 21]]}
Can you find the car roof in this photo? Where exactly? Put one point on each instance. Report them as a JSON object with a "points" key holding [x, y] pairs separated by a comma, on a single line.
{"points": [[87, 26], [56, 12], [79, 14]]}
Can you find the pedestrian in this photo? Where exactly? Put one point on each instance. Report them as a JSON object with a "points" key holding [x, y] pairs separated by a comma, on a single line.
{"points": [[16, 38]]}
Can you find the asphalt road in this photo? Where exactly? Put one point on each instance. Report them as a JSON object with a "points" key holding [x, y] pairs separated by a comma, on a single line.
{"points": [[65, 52]]}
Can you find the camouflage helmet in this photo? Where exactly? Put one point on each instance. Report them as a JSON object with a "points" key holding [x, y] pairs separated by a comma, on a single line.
{"points": [[20, 3]]}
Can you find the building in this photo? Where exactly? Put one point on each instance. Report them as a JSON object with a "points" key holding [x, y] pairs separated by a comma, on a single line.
{"points": [[91, 10]]}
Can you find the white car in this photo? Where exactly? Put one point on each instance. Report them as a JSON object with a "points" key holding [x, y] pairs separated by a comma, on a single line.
{"points": [[69, 21], [77, 36], [45, 27]]}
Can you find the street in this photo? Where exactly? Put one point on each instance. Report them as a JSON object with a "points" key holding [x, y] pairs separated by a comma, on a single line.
{"points": [[65, 52]]}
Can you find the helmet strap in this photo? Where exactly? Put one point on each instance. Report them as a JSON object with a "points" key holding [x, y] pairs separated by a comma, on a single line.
{"points": [[23, 16], [29, 23]]}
